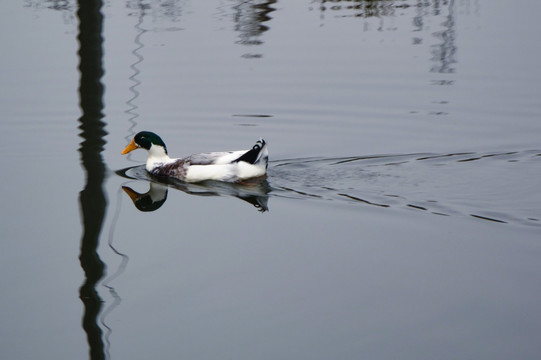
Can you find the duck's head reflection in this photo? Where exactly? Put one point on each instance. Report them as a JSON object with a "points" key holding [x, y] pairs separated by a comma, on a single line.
{"points": [[253, 191], [152, 200]]}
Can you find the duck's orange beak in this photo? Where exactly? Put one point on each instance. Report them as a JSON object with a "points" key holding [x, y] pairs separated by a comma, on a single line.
{"points": [[132, 146]]}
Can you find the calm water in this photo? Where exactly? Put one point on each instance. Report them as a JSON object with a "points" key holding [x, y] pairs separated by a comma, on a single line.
{"points": [[401, 216]]}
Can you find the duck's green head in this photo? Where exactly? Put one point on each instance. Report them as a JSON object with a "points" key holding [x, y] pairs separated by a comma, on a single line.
{"points": [[145, 140]]}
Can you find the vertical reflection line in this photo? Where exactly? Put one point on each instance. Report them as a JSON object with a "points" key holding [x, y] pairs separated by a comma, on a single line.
{"points": [[132, 107], [92, 198], [120, 270], [444, 53]]}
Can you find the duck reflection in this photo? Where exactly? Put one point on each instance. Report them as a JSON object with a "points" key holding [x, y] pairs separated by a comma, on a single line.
{"points": [[254, 191]]}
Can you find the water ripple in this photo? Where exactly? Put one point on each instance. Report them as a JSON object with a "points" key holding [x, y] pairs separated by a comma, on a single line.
{"points": [[500, 187]]}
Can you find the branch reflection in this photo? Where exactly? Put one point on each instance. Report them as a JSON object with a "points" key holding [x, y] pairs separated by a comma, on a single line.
{"points": [[92, 198]]}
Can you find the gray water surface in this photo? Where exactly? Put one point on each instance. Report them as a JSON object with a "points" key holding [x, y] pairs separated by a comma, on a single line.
{"points": [[400, 216]]}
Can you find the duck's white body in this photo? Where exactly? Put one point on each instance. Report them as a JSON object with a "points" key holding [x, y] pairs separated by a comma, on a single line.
{"points": [[206, 166], [225, 172], [223, 166]]}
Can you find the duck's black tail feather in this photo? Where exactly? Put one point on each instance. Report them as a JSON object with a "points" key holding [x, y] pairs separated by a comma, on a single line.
{"points": [[254, 154]]}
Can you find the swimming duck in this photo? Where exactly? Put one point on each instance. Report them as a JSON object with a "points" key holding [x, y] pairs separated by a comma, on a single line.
{"points": [[230, 166]]}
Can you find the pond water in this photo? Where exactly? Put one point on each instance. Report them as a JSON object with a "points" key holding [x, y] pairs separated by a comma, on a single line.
{"points": [[401, 214]]}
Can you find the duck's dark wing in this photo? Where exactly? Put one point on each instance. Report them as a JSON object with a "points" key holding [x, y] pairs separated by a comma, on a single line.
{"points": [[253, 155]]}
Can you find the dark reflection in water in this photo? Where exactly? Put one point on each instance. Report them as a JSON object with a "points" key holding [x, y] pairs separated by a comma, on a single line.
{"points": [[362, 8], [92, 198], [167, 13], [254, 191], [52, 4], [250, 18], [67, 7], [379, 8], [443, 54]]}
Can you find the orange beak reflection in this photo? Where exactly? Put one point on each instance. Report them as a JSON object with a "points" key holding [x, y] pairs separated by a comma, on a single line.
{"points": [[131, 193], [132, 146]]}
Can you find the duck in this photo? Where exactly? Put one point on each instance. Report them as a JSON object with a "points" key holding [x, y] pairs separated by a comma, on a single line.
{"points": [[227, 166]]}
